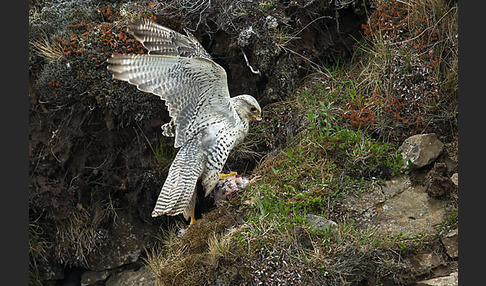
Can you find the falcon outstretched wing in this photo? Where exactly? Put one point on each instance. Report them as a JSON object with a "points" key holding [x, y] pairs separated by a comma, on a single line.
{"points": [[194, 89], [160, 40]]}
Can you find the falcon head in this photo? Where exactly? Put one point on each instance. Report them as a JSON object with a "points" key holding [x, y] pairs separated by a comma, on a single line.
{"points": [[247, 107]]}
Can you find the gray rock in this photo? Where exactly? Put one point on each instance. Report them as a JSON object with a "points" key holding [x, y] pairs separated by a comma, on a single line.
{"points": [[93, 277], [368, 204], [141, 277], [408, 210], [455, 179], [420, 150], [395, 186], [425, 262], [437, 181], [319, 222], [398, 206], [451, 280], [362, 202], [450, 242]]}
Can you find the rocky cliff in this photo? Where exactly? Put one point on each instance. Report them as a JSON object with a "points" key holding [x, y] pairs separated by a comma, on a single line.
{"points": [[98, 159]]}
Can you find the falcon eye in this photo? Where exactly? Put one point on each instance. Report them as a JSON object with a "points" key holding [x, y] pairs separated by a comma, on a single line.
{"points": [[253, 109]]}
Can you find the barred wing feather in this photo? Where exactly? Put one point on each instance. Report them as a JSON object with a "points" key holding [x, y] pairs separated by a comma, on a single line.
{"points": [[178, 192], [160, 40], [194, 89]]}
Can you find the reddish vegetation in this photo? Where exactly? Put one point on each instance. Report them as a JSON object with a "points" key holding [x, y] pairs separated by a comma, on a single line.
{"points": [[113, 36], [414, 37]]}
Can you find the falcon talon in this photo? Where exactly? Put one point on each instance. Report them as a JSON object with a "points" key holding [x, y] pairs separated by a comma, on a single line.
{"points": [[224, 176], [205, 121], [228, 187]]}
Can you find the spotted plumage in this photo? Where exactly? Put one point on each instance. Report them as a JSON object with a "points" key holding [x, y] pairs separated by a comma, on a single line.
{"points": [[205, 121]]}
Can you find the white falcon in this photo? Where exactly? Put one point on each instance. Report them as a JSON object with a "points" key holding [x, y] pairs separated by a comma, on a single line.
{"points": [[206, 122]]}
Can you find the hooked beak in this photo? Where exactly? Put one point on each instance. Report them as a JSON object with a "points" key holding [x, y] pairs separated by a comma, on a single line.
{"points": [[258, 117]]}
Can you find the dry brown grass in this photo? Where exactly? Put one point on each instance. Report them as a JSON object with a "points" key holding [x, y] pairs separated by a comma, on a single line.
{"points": [[76, 238], [194, 253], [47, 50], [410, 63]]}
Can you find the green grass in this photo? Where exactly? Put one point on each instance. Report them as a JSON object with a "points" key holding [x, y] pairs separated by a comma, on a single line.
{"points": [[163, 154], [450, 221]]}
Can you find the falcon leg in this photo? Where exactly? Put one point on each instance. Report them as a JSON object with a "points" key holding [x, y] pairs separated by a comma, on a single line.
{"points": [[193, 216], [222, 176]]}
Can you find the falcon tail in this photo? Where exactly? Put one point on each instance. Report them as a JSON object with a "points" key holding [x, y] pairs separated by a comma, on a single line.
{"points": [[178, 194]]}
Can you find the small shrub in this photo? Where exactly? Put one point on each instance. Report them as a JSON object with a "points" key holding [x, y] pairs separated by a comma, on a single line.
{"points": [[412, 56], [362, 156]]}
